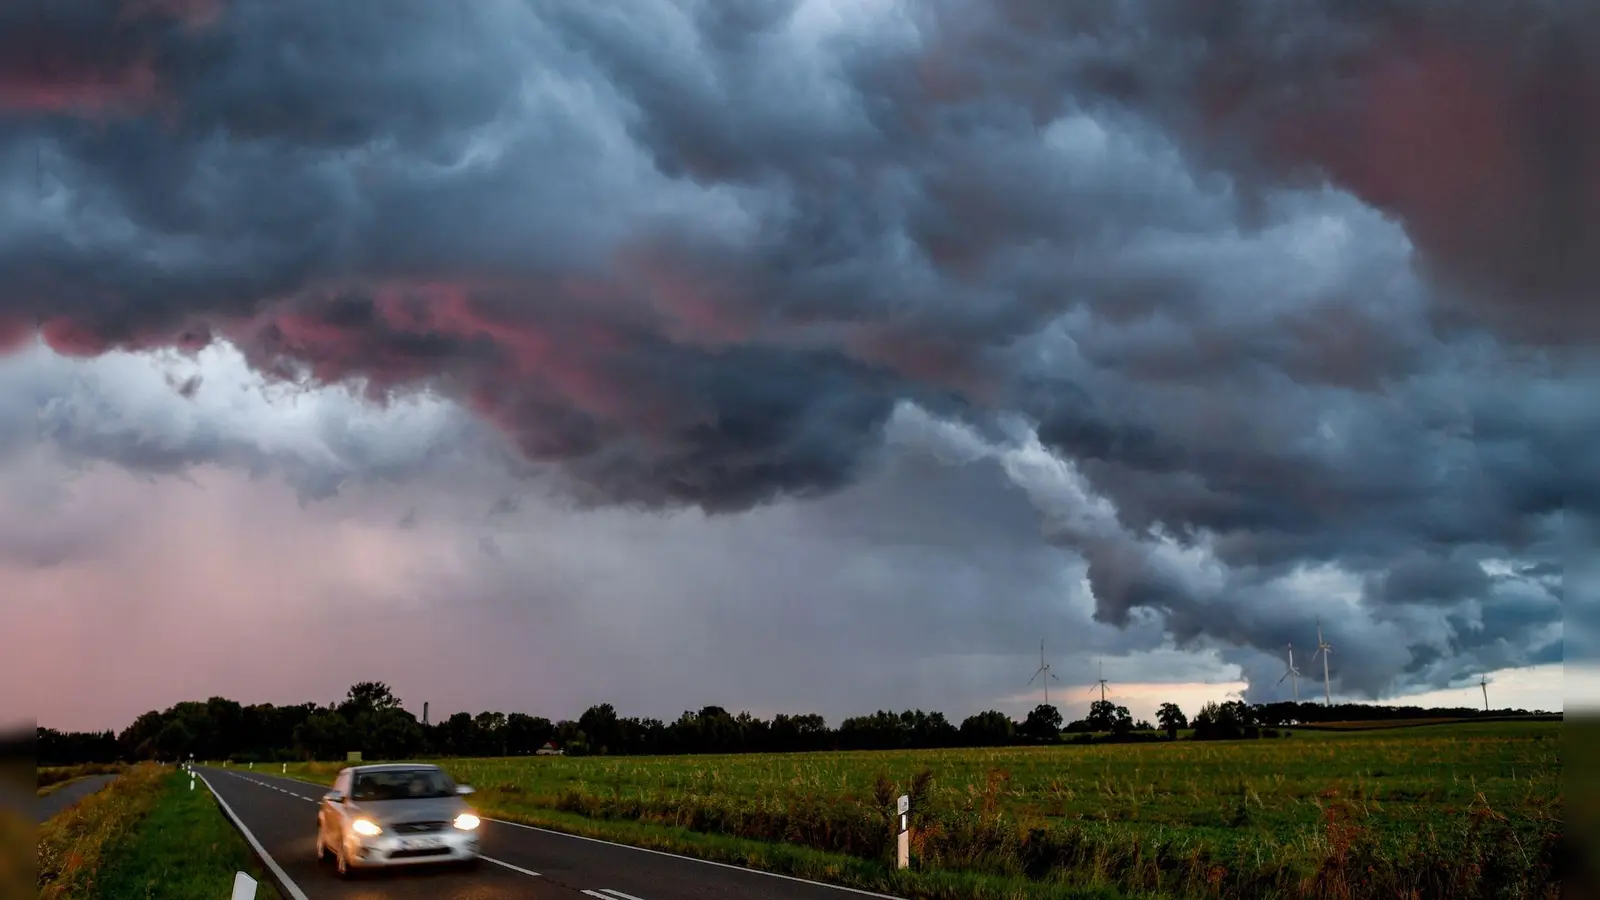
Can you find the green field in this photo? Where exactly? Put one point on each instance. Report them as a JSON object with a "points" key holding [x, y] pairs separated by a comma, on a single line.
{"points": [[1445, 811]]}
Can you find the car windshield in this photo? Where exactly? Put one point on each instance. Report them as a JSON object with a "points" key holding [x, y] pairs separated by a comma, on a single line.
{"points": [[402, 784]]}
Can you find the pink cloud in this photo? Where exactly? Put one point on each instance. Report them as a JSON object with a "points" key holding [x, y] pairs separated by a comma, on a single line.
{"points": [[195, 596], [81, 92]]}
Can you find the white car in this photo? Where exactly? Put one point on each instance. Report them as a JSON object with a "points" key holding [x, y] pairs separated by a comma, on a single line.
{"points": [[395, 815]]}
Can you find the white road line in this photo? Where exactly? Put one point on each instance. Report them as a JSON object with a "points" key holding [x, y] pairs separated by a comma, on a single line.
{"points": [[283, 878], [616, 893], [500, 862], [704, 862], [597, 894]]}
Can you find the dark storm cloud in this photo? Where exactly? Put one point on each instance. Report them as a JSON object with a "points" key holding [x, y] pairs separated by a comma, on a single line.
{"points": [[1472, 123], [696, 253], [1432, 579]]}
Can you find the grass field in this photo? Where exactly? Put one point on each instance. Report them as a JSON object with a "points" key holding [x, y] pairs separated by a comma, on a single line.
{"points": [[144, 835], [1448, 811]]}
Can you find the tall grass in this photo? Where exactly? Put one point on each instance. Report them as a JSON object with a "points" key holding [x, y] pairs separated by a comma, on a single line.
{"points": [[185, 849], [48, 779], [73, 845], [144, 835], [1472, 811]]}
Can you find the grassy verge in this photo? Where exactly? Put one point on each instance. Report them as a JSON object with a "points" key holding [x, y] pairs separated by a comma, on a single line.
{"points": [[145, 835], [73, 846]]}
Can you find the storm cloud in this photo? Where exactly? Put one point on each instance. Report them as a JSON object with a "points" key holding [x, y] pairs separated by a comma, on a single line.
{"points": [[1299, 295]]}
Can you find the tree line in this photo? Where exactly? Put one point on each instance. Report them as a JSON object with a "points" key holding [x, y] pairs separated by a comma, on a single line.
{"points": [[370, 719]]}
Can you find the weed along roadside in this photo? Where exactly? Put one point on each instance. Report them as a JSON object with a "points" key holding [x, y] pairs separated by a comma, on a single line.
{"points": [[145, 834], [1426, 812], [49, 779]]}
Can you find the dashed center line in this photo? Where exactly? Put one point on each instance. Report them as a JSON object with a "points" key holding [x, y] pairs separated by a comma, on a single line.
{"points": [[500, 862], [610, 894], [273, 787]]}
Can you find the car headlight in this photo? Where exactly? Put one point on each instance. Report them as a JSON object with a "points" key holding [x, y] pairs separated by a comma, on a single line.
{"points": [[364, 826], [466, 821]]}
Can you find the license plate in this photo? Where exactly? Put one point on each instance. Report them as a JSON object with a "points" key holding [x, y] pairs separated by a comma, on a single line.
{"points": [[427, 843]]}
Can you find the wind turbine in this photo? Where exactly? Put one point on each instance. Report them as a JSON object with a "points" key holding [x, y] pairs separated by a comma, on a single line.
{"points": [[1101, 682], [1323, 649], [1483, 682], [1293, 674], [1044, 669]]}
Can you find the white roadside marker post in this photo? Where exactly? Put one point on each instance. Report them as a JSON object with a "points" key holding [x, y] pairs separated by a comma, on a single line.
{"points": [[244, 887], [903, 856]]}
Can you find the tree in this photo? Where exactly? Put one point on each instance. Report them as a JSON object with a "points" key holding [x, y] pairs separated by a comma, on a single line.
{"points": [[1102, 715], [1240, 713], [1224, 722], [489, 733], [138, 739], [602, 727], [367, 696], [1043, 723], [1122, 723], [571, 738], [174, 741], [324, 734], [1171, 719], [388, 734], [526, 734], [225, 727], [457, 735]]}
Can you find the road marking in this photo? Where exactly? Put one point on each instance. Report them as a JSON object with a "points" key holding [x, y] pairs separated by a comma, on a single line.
{"points": [[704, 862], [616, 893], [283, 878], [500, 862]]}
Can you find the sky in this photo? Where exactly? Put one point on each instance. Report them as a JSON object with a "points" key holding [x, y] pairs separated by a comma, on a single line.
{"points": [[795, 355]]}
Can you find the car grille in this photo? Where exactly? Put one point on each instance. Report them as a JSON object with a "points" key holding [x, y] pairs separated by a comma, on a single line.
{"points": [[413, 854], [419, 827]]}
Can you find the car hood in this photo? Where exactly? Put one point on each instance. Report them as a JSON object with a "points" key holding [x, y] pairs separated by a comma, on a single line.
{"points": [[430, 809]]}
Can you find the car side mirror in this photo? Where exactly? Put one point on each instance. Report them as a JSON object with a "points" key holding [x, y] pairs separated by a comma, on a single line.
{"points": [[463, 789], [333, 797]]}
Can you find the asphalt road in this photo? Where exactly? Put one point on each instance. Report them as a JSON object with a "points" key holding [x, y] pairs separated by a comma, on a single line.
{"points": [[60, 799], [280, 815]]}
